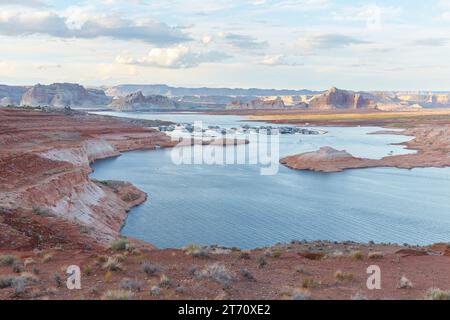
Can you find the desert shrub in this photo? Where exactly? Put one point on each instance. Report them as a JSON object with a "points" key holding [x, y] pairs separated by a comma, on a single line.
{"points": [[7, 260], [121, 244], [359, 296], [19, 284], [375, 255], [165, 281], [118, 295], [149, 268], [301, 295], [244, 255], [276, 253], [343, 276], [42, 212], [219, 273], [437, 294], [47, 257], [88, 270], [261, 262], [17, 267], [247, 275], [196, 251], [357, 255], [112, 264], [310, 283], [6, 282], [155, 291], [58, 279], [29, 262], [131, 284]]}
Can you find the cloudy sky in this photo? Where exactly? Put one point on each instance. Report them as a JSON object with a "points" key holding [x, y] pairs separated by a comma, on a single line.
{"points": [[315, 44]]}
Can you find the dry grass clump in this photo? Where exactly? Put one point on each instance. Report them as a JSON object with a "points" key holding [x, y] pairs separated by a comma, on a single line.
{"points": [[219, 273], [149, 268], [343, 276], [375, 255], [301, 294], [310, 283], [196, 251], [7, 260], [112, 264], [437, 294], [47, 257], [131, 284], [121, 244], [357, 255], [164, 281], [118, 295]]}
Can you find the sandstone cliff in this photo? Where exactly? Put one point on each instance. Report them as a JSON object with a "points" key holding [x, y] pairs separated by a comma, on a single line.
{"points": [[60, 95], [44, 167], [138, 102]]}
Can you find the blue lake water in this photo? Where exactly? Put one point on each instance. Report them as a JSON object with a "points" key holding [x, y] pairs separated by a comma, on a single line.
{"points": [[233, 205]]}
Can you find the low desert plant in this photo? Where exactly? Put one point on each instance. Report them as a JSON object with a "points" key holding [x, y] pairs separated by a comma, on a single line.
{"points": [[357, 255], [164, 281], [47, 257], [17, 267], [301, 295], [359, 296], [118, 295], [7, 260], [58, 279], [247, 275], [196, 251], [219, 273], [112, 264], [375, 255], [155, 291], [261, 262], [343, 276], [310, 283], [121, 244], [244, 255], [131, 284], [149, 268], [41, 211], [437, 294], [6, 282]]}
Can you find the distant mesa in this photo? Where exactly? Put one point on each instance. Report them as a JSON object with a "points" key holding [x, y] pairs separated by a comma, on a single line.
{"points": [[163, 97], [60, 95], [138, 102]]}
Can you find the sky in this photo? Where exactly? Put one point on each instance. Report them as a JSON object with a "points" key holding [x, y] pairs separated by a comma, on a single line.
{"points": [[292, 44]]}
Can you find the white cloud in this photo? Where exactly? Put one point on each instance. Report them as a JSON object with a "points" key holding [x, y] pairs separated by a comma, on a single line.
{"points": [[83, 24], [277, 60], [23, 3], [243, 41], [179, 56], [328, 41]]}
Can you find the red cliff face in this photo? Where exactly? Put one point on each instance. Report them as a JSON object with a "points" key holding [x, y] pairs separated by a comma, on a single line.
{"points": [[44, 164], [342, 99]]}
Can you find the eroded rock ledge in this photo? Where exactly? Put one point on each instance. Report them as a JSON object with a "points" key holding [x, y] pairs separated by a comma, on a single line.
{"points": [[44, 169], [431, 142]]}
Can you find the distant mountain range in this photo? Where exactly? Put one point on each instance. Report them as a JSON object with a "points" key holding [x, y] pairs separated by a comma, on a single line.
{"points": [[163, 97]]}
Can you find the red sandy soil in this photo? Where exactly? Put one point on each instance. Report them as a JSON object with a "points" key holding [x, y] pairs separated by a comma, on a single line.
{"points": [[53, 215]]}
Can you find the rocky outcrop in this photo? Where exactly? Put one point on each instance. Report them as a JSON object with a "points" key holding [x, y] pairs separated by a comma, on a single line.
{"points": [[60, 95], [44, 167], [342, 99], [138, 102], [259, 103], [431, 142], [11, 95], [326, 159]]}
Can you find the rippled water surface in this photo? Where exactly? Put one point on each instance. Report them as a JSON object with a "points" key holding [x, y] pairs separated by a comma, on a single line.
{"points": [[233, 205]]}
